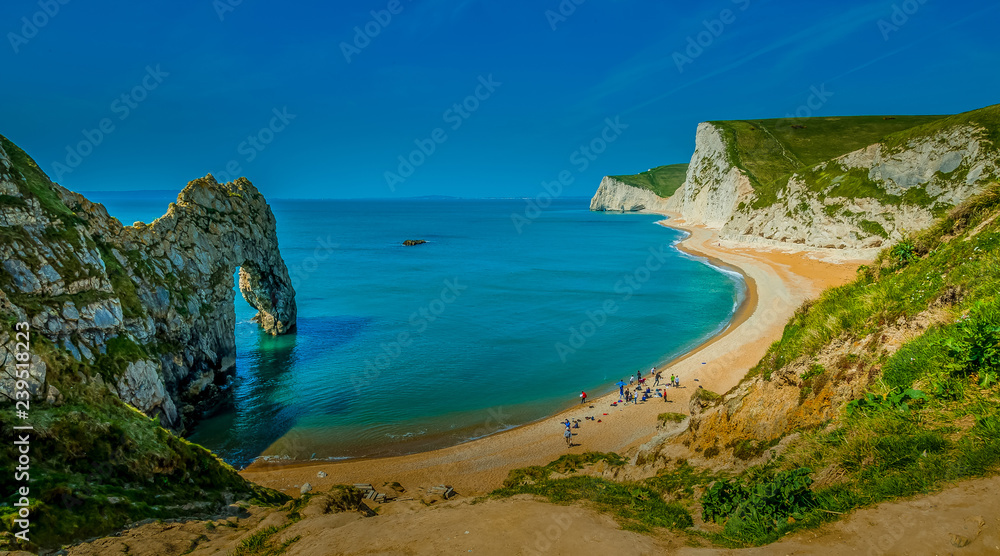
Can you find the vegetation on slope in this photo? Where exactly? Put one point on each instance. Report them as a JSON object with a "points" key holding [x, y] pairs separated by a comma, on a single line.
{"points": [[663, 180], [638, 505], [770, 151], [98, 464], [36, 184], [931, 416]]}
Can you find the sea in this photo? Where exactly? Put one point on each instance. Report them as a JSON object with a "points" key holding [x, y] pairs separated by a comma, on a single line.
{"points": [[503, 317]]}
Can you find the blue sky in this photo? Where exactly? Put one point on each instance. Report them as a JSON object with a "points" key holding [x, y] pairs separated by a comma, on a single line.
{"points": [[180, 88]]}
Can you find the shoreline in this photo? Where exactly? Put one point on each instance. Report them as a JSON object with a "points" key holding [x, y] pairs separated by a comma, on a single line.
{"points": [[740, 314], [776, 284]]}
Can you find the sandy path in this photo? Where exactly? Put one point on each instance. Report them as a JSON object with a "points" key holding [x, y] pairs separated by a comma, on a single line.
{"points": [[778, 283], [964, 519]]}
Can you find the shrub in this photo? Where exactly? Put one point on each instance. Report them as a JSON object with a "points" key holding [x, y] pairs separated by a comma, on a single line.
{"points": [[760, 507], [898, 399], [903, 252]]}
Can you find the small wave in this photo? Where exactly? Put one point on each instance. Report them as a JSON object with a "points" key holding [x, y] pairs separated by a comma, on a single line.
{"points": [[502, 429], [406, 435], [288, 458]]}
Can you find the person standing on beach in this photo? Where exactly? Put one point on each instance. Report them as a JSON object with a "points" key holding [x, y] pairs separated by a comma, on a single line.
{"points": [[583, 397], [657, 381], [631, 380], [621, 388], [568, 435]]}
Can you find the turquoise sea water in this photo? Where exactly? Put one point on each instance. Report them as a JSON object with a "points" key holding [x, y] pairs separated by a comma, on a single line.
{"points": [[400, 349]]}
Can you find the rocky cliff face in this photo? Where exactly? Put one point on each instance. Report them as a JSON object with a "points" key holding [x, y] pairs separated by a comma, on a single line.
{"points": [[614, 195], [860, 200], [148, 307]]}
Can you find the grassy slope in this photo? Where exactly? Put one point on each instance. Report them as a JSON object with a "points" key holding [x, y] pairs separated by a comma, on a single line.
{"points": [[770, 151], [884, 447], [663, 180], [94, 447]]}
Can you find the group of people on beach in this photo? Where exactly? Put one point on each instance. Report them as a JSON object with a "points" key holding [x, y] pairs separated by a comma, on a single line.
{"points": [[641, 392], [627, 395]]}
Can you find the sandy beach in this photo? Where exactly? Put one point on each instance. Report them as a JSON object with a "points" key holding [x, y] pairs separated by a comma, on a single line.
{"points": [[777, 283]]}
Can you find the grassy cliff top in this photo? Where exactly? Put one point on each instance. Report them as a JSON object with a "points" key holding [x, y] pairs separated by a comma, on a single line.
{"points": [[770, 151], [662, 180]]}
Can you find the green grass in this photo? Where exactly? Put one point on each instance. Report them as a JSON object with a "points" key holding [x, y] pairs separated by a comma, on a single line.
{"points": [[637, 506], [663, 180], [13, 201], [827, 138], [945, 376], [987, 118], [873, 228], [33, 181], [897, 286], [665, 418], [94, 447], [263, 543], [770, 151], [122, 283]]}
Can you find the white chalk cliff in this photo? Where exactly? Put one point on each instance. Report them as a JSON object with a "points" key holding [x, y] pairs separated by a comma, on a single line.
{"points": [[617, 196], [919, 180]]}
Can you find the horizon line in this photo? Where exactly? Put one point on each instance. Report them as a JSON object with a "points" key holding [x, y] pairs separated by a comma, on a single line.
{"points": [[410, 198]]}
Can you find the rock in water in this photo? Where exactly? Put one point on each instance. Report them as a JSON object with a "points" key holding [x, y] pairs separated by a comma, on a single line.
{"points": [[411, 242]]}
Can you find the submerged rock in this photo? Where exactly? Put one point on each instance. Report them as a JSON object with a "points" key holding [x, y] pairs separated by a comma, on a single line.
{"points": [[411, 242]]}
